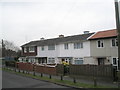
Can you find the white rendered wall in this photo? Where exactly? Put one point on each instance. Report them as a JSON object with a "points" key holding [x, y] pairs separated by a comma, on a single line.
{"points": [[71, 52]]}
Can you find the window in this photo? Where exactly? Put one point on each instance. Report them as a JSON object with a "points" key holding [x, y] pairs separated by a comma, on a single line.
{"points": [[100, 43], [114, 42], [78, 60], [51, 47], [78, 45], [25, 49], [42, 48], [115, 61], [66, 46], [31, 49], [51, 60]]}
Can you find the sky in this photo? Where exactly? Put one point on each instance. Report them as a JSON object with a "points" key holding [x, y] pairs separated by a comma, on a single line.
{"points": [[22, 21]]}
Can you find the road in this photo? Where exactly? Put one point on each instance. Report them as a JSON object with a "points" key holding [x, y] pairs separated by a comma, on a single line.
{"points": [[10, 80]]}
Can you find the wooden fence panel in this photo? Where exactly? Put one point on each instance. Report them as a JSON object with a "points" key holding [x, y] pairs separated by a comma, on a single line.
{"points": [[92, 70]]}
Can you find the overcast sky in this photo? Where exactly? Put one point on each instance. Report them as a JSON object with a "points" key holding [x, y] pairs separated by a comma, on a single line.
{"points": [[22, 21]]}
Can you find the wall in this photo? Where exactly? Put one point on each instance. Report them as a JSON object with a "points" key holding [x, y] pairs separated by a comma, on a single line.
{"points": [[61, 52], [108, 50], [71, 52], [46, 52]]}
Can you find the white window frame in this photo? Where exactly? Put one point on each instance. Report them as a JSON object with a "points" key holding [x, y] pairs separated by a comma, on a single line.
{"points": [[116, 62], [101, 42], [51, 60], [25, 49], [31, 49], [116, 42], [42, 48], [66, 46], [78, 45], [51, 47], [78, 59]]}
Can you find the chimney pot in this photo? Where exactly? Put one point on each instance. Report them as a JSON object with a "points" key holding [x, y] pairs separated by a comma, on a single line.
{"points": [[86, 32], [42, 38], [61, 35]]}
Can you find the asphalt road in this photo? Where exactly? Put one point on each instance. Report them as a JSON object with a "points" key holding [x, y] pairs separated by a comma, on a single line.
{"points": [[10, 80]]}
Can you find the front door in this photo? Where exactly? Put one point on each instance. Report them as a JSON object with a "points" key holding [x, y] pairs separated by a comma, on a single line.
{"points": [[101, 61]]}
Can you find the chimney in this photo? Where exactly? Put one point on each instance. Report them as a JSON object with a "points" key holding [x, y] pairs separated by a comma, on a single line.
{"points": [[60, 36], [42, 38], [86, 32]]}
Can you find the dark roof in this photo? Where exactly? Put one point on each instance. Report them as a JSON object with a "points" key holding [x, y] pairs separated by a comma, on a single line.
{"points": [[104, 34], [74, 38]]}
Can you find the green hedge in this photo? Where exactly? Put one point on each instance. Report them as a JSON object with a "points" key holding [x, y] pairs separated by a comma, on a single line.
{"points": [[10, 63]]}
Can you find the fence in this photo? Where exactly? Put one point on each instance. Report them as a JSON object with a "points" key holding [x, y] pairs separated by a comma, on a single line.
{"points": [[105, 71]]}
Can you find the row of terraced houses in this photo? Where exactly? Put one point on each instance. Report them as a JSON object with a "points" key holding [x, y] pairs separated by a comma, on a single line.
{"points": [[99, 48]]}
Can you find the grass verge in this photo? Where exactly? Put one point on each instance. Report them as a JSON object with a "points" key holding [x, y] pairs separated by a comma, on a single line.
{"points": [[57, 81]]}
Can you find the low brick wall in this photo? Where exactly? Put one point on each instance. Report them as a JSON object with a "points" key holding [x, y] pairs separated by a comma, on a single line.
{"points": [[37, 68], [46, 69], [25, 66]]}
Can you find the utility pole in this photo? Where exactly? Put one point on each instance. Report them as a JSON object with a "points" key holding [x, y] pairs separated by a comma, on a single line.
{"points": [[117, 12]]}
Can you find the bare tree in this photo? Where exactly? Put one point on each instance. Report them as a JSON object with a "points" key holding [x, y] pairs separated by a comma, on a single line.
{"points": [[8, 48], [9, 45]]}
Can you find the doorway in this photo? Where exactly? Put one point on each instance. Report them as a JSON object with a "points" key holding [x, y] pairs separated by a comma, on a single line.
{"points": [[101, 61]]}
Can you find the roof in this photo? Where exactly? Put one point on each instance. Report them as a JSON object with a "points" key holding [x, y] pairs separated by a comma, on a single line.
{"points": [[104, 34], [81, 37]]}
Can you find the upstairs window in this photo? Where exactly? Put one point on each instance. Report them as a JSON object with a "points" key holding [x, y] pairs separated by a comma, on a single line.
{"points": [[51, 47], [114, 42], [42, 48], [100, 43], [25, 49], [66, 46], [78, 45], [31, 49]]}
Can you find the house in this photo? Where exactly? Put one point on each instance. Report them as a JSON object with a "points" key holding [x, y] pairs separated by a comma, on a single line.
{"points": [[104, 48], [72, 49], [88, 48]]}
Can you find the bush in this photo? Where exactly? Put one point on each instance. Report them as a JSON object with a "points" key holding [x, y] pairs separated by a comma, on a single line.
{"points": [[10, 63]]}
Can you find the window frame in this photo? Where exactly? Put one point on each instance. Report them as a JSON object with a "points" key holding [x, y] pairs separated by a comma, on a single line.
{"points": [[66, 46], [51, 60], [115, 42], [78, 59], [33, 49], [25, 49], [42, 48], [51, 47], [78, 45], [102, 45]]}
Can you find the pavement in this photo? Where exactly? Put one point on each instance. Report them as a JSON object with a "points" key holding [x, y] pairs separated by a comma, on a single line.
{"points": [[99, 82]]}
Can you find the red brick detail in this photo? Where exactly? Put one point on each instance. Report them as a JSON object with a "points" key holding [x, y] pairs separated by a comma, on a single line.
{"points": [[46, 70], [40, 69], [25, 66], [29, 53]]}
